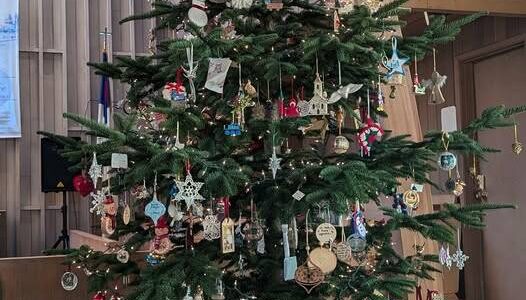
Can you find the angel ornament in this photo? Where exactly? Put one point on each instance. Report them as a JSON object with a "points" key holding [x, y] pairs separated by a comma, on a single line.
{"points": [[434, 84]]}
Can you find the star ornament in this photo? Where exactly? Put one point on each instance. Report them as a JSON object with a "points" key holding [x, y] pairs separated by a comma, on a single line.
{"points": [[459, 258], [188, 191], [395, 65], [274, 164]]}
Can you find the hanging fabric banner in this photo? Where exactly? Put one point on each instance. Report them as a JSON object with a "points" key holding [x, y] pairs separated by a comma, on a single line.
{"points": [[9, 73]]}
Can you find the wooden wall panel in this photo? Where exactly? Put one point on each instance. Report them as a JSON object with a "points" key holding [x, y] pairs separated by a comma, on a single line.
{"points": [[486, 31], [42, 275], [57, 39]]}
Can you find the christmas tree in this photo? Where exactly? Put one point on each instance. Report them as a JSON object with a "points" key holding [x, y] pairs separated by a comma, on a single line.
{"points": [[256, 120]]}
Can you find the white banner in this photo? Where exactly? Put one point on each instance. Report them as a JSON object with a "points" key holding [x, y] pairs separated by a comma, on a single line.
{"points": [[9, 73]]}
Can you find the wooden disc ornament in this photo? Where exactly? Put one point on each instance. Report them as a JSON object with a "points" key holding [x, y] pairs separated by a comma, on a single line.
{"points": [[324, 259], [342, 249], [309, 277], [326, 233]]}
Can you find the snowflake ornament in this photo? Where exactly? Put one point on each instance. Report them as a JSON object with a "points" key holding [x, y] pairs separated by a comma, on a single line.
{"points": [[274, 164], [95, 170], [97, 202], [188, 191], [459, 258]]}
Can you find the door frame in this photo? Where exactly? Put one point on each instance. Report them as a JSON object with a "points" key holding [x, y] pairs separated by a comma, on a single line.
{"points": [[465, 101]]}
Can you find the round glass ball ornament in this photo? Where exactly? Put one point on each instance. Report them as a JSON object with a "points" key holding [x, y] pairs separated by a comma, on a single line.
{"points": [[356, 243], [341, 144], [447, 161]]}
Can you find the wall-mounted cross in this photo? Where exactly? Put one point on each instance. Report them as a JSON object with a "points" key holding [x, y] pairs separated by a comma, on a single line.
{"points": [[106, 34]]}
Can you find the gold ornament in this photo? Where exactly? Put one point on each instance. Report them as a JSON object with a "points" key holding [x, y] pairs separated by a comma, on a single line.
{"points": [[411, 199], [516, 146], [459, 187]]}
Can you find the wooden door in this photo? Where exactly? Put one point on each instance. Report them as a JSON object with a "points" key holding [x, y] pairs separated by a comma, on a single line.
{"points": [[496, 76]]}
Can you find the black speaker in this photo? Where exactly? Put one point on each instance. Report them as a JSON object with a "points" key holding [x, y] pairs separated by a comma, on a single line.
{"points": [[54, 171]]}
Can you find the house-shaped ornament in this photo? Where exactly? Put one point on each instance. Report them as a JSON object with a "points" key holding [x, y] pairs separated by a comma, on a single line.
{"points": [[319, 102]]}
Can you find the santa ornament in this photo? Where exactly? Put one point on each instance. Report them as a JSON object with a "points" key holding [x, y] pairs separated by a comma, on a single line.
{"points": [[108, 219], [161, 243]]}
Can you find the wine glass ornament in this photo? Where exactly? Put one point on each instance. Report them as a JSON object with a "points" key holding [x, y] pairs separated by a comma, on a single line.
{"points": [[191, 72], [253, 230], [434, 84]]}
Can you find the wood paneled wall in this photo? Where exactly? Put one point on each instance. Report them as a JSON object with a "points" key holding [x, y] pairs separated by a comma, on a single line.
{"points": [[460, 91], [57, 39], [483, 32]]}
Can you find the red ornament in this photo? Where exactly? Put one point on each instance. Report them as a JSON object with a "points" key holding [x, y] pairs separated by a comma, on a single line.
{"points": [[83, 185], [368, 134], [99, 296], [291, 111]]}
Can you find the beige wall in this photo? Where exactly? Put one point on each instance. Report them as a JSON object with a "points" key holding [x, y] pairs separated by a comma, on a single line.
{"points": [[57, 39]]}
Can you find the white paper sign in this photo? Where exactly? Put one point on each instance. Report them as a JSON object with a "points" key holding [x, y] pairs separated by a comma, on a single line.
{"points": [[448, 116], [9, 73], [119, 161], [217, 70]]}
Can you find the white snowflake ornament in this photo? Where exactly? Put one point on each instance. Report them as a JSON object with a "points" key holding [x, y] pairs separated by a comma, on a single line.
{"points": [[459, 258], [95, 170], [96, 203], [188, 191]]}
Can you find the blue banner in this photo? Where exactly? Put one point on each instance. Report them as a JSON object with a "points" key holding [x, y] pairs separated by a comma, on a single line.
{"points": [[9, 73]]}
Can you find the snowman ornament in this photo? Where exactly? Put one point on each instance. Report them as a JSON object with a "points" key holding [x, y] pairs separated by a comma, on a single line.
{"points": [[197, 13]]}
